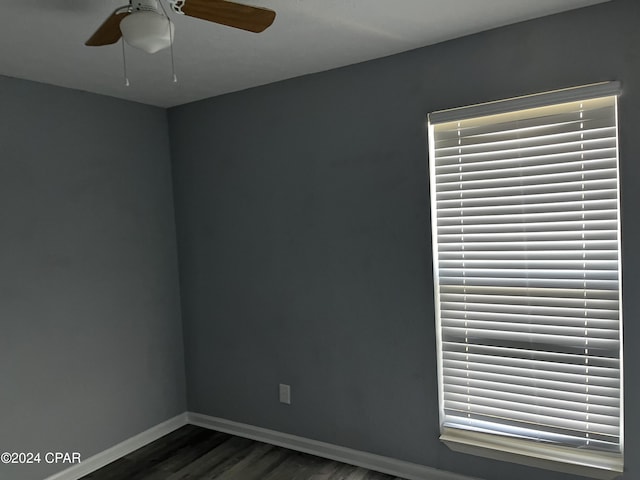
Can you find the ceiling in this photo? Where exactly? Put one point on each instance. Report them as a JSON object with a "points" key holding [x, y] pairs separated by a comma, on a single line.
{"points": [[43, 40]]}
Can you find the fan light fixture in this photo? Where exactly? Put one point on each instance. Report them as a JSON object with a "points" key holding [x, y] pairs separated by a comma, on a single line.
{"points": [[144, 24], [148, 31]]}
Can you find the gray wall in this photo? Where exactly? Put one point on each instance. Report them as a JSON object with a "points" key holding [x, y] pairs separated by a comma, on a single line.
{"points": [[91, 346], [304, 233]]}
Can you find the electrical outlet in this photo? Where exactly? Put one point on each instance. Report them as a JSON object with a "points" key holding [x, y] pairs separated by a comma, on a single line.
{"points": [[285, 394]]}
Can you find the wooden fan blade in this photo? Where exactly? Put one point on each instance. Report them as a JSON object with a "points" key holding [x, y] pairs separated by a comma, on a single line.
{"points": [[109, 32], [245, 17]]}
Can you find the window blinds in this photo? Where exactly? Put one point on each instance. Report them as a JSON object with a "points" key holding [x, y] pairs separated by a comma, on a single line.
{"points": [[526, 238]]}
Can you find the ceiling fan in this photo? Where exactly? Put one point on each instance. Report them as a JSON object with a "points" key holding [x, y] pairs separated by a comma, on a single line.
{"points": [[144, 24]]}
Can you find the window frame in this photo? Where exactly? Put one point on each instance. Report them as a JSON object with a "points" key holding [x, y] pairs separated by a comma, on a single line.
{"points": [[565, 459]]}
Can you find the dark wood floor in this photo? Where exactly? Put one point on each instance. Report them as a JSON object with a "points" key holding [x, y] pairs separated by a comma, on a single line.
{"points": [[194, 453]]}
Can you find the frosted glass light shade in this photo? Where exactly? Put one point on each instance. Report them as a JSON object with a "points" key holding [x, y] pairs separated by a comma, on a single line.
{"points": [[148, 31]]}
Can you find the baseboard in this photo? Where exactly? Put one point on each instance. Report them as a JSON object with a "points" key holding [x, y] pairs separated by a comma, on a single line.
{"points": [[121, 449], [391, 466]]}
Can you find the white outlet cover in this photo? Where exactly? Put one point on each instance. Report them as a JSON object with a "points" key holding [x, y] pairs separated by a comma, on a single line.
{"points": [[285, 394]]}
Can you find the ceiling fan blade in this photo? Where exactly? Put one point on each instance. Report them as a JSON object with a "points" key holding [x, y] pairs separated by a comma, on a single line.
{"points": [[245, 17], [109, 31]]}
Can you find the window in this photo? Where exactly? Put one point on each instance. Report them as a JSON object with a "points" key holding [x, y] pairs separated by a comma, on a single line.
{"points": [[526, 242]]}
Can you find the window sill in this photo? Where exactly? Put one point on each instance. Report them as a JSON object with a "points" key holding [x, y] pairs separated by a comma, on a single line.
{"points": [[601, 465]]}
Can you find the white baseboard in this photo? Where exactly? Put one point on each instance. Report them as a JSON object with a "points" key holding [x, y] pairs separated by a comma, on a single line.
{"points": [[121, 449], [391, 466]]}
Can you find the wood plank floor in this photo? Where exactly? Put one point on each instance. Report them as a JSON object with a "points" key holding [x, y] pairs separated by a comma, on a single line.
{"points": [[195, 453]]}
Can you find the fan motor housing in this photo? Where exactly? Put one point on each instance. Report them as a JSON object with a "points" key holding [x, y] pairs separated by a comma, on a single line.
{"points": [[144, 5]]}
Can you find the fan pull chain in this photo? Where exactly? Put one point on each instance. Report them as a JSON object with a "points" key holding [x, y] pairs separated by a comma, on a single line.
{"points": [[124, 66], [173, 65]]}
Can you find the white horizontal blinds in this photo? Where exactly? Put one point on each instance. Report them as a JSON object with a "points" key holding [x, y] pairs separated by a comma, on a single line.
{"points": [[527, 273]]}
